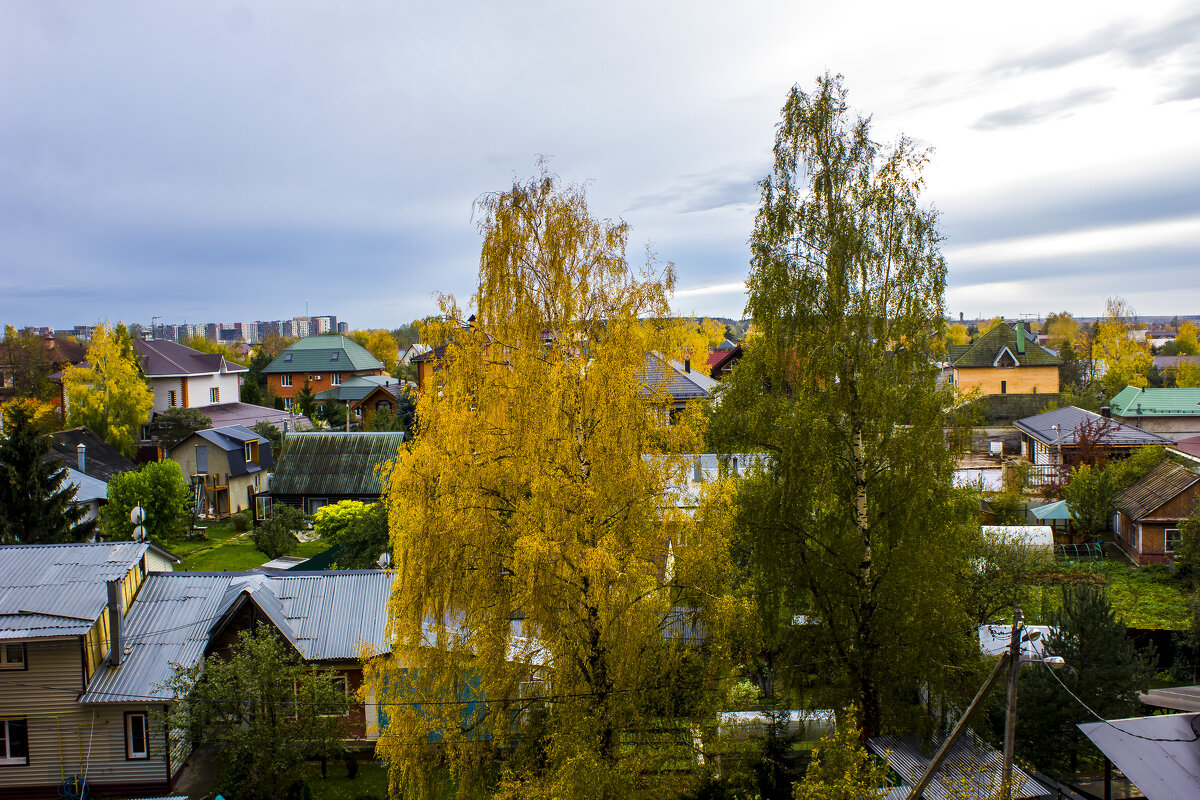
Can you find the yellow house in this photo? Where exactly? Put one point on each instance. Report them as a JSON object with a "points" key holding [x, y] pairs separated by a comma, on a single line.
{"points": [[1005, 361]]}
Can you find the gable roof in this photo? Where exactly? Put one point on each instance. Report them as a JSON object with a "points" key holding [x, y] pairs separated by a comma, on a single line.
{"points": [[358, 387], [59, 589], [232, 439], [1155, 488], [334, 464], [324, 615], [248, 414], [670, 377], [984, 351], [1070, 419], [101, 460], [163, 359], [1134, 402], [324, 354]]}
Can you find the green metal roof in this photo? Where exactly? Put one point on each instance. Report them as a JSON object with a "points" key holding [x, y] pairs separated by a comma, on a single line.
{"points": [[358, 387], [1132, 402], [986, 348], [324, 354], [327, 464]]}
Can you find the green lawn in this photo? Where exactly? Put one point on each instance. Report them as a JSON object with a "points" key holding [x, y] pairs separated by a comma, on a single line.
{"points": [[1142, 597], [371, 780], [222, 549]]}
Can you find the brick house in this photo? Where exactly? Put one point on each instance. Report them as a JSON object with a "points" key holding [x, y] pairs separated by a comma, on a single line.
{"points": [[1005, 361], [321, 361]]}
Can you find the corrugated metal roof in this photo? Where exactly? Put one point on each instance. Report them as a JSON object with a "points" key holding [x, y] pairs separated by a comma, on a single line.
{"points": [[1070, 419], [1134, 402], [325, 615], [87, 488], [38, 626], [1056, 510], [1155, 488], [1162, 770], [61, 580], [972, 765], [360, 386], [316, 354], [334, 464], [662, 376]]}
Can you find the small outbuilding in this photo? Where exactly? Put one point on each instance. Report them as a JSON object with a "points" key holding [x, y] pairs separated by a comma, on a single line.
{"points": [[1149, 512]]}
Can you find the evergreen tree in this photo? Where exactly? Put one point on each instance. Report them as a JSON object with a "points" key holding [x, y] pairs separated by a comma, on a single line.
{"points": [[35, 506], [305, 402], [854, 521], [1103, 669]]}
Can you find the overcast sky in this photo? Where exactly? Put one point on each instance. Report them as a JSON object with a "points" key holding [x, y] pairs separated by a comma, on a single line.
{"points": [[222, 161]]}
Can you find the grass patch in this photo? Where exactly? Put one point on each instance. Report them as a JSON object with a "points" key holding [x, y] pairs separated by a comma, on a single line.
{"points": [[1142, 597], [371, 780], [222, 549]]}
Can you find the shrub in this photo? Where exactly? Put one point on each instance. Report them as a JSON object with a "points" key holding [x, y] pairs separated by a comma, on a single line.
{"points": [[276, 536], [241, 521]]}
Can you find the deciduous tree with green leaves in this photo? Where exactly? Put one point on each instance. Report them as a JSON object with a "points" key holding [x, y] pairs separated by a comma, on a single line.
{"points": [[159, 488], [854, 520], [176, 424], [265, 711], [110, 396], [36, 507]]}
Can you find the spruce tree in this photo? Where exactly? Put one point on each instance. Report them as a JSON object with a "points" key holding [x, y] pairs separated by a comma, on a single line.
{"points": [[35, 506]]}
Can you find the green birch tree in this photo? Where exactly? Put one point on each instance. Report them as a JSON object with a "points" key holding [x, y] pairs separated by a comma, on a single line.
{"points": [[854, 521]]}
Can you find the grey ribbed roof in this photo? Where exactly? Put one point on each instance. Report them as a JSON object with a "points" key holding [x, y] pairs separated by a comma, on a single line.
{"points": [[325, 615], [1142, 748], [1154, 489], [971, 764], [662, 376], [1070, 419], [61, 581]]}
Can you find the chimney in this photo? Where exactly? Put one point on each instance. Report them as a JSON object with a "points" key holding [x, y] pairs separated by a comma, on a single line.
{"points": [[114, 623], [697, 471], [687, 365], [1106, 412], [81, 456]]}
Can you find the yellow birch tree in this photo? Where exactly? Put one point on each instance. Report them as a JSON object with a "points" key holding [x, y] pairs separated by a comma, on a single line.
{"points": [[110, 396], [382, 345], [535, 605]]}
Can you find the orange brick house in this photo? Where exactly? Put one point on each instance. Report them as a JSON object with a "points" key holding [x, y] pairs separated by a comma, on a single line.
{"points": [[323, 361]]}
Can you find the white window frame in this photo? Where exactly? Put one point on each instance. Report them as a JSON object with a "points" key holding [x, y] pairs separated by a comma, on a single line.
{"points": [[7, 662], [335, 378], [7, 759], [1167, 539], [262, 506], [132, 750], [287, 404], [285, 380]]}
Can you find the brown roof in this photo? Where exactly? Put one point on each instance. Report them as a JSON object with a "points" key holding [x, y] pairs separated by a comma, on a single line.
{"points": [[162, 358], [1158, 486]]}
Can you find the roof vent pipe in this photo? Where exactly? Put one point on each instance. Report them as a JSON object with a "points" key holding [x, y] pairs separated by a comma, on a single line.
{"points": [[81, 456], [114, 623], [1106, 412], [687, 365]]}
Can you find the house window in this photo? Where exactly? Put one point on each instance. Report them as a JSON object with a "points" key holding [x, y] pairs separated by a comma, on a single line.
{"points": [[287, 356], [214, 395], [171, 399], [137, 735], [334, 356], [1173, 539], [14, 742], [249, 452], [315, 503], [314, 377], [202, 458], [262, 506], [335, 378], [287, 403], [1003, 387], [286, 380], [12, 656]]}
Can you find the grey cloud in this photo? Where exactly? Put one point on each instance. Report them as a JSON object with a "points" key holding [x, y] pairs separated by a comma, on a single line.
{"points": [[1137, 46], [700, 193], [1040, 110], [1187, 88]]}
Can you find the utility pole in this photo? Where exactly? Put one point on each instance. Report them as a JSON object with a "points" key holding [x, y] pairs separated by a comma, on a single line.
{"points": [[1010, 716]]}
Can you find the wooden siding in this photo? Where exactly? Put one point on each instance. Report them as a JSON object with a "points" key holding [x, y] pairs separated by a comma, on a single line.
{"points": [[1018, 380]]}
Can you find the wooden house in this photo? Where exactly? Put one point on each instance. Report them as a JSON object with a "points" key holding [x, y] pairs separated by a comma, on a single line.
{"points": [[1054, 437], [1149, 512], [226, 466], [1005, 360], [63, 609], [316, 469]]}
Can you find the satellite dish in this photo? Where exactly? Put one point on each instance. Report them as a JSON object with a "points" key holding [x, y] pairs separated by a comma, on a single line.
{"points": [[139, 534], [385, 561], [137, 516]]}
